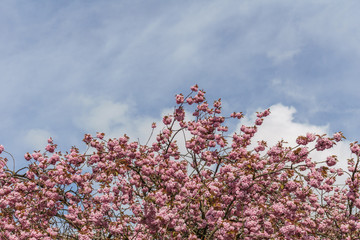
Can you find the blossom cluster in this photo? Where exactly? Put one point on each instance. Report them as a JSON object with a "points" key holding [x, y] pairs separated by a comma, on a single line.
{"points": [[220, 187]]}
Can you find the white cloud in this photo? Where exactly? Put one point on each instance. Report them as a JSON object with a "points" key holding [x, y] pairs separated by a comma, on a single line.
{"points": [[144, 53], [103, 116], [280, 125], [113, 118], [280, 56], [117, 119]]}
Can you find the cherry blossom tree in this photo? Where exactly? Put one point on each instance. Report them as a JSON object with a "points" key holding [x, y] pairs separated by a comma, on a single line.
{"points": [[216, 186]]}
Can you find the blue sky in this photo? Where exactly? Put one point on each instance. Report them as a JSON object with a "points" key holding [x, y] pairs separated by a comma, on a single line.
{"points": [[74, 67]]}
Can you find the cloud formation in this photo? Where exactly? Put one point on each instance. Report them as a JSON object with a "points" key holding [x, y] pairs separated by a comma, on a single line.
{"points": [[281, 125], [36, 139], [133, 57]]}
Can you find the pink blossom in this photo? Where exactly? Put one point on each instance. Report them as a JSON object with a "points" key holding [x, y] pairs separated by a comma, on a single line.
{"points": [[238, 115], [311, 137], [167, 120], [27, 156], [331, 161], [100, 135], [179, 98], [190, 100], [301, 140], [355, 148], [323, 143], [50, 148], [194, 88], [337, 136], [208, 185], [87, 138], [278, 208], [259, 121], [344, 228]]}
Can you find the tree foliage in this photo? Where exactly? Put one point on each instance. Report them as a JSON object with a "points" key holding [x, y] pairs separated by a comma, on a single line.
{"points": [[216, 186]]}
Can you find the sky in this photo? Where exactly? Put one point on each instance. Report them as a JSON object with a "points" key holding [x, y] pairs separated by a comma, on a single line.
{"points": [[75, 67]]}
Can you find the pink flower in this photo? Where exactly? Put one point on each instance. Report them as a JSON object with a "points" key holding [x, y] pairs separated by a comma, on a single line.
{"points": [[320, 211], [291, 186], [331, 160], [87, 139], [355, 148], [179, 98], [279, 208], [100, 135], [263, 114], [323, 143], [337, 136], [27, 156], [1, 148], [301, 140], [259, 121], [259, 148], [194, 88], [182, 190], [311, 137], [189, 100], [344, 228], [50, 148], [167, 120]]}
